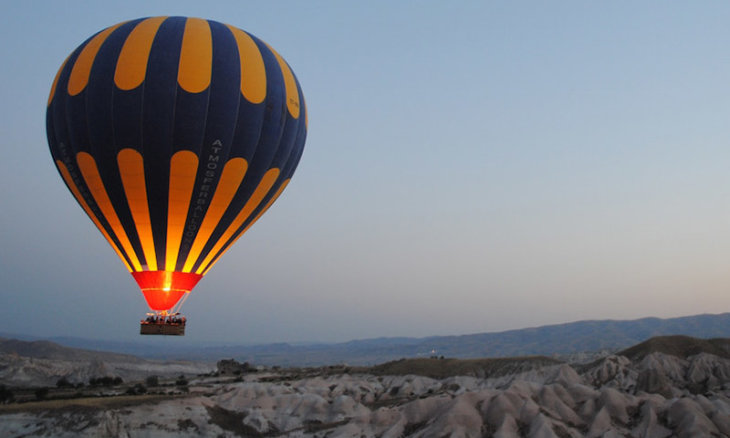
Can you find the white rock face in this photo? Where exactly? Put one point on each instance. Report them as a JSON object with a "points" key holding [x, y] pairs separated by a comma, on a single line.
{"points": [[660, 396]]}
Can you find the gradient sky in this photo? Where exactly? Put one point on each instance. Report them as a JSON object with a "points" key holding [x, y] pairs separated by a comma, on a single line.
{"points": [[470, 166]]}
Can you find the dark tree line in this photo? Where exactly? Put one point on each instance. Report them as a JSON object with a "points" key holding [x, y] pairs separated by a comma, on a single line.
{"points": [[105, 381]]}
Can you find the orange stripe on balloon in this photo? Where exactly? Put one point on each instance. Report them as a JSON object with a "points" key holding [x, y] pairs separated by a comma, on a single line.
{"points": [[253, 71], [290, 84], [132, 62], [230, 180], [55, 81], [82, 67], [263, 210], [196, 56], [183, 168], [90, 172], [77, 194], [131, 169], [258, 195]]}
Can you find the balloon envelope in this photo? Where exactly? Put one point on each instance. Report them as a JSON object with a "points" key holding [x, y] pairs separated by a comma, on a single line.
{"points": [[174, 135]]}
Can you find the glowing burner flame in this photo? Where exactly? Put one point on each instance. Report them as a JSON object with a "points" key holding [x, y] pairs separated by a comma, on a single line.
{"points": [[163, 289]]}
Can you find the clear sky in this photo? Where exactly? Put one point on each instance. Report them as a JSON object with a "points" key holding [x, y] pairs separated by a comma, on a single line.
{"points": [[470, 166]]}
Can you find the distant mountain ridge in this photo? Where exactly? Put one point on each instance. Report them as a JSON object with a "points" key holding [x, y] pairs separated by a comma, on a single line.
{"points": [[562, 339], [579, 336]]}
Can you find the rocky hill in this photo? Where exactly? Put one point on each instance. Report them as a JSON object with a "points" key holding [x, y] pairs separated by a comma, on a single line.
{"points": [[680, 346], [51, 350], [43, 363], [665, 387]]}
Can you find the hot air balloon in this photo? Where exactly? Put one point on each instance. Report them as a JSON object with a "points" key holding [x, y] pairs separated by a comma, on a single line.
{"points": [[174, 135]]}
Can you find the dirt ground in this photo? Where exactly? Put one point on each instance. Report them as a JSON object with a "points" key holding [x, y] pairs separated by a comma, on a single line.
{"points": [[111, 402]]}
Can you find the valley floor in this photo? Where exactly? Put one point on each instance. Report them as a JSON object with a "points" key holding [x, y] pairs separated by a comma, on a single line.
{"points": [[658, 395]]}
